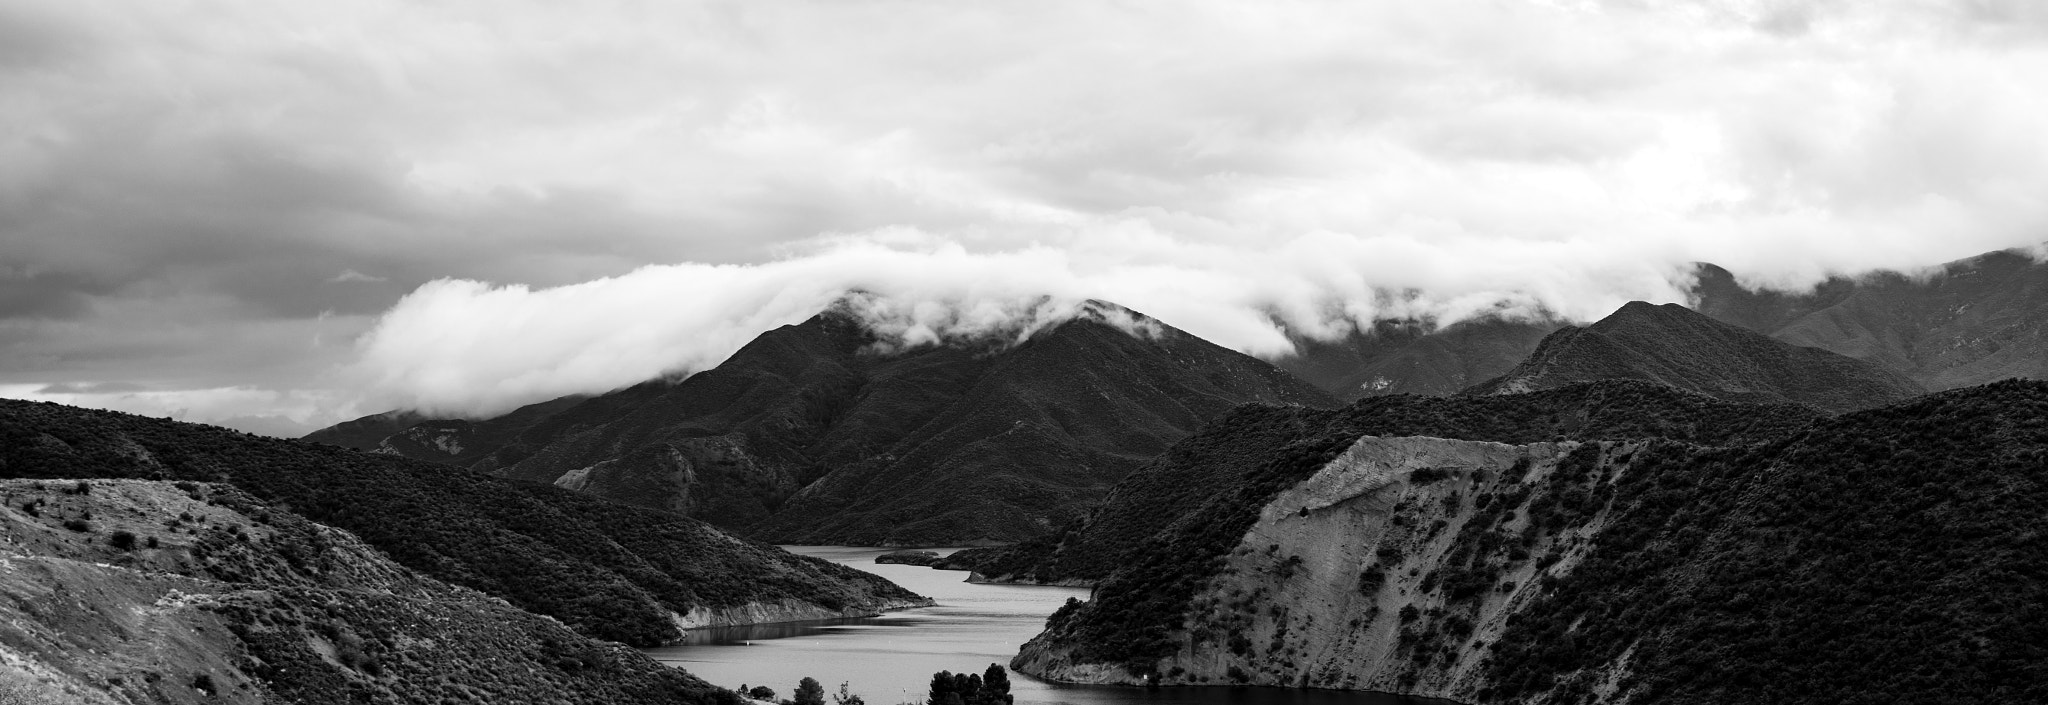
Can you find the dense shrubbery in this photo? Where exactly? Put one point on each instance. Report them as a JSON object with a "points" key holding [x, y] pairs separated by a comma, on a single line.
{"points": [[1893, 555], [1752, 554]]}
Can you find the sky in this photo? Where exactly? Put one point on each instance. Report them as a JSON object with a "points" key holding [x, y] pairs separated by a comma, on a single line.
{"points": [[277, 215]]}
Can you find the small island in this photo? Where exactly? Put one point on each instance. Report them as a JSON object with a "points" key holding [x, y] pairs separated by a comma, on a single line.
{"points": [[909, 557]]}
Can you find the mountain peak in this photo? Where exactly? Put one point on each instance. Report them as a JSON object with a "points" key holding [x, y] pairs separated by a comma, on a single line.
{"points": [[1676, 346]]}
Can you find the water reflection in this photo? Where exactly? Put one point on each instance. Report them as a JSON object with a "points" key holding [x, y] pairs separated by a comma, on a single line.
{"points": [[890, 658]]}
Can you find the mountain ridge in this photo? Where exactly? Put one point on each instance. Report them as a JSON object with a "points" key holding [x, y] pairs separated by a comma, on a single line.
{"points": [[612, 571], [869, 443], [1673, 345]]}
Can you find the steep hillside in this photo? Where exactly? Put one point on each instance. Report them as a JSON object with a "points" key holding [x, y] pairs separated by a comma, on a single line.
{"points": [[1206, 474], [1969, 322], [1675, 346], [367, 432], [462, 441], [607, 570], [131, 591], [1411, 357], [815, 433], [1891, 555]]}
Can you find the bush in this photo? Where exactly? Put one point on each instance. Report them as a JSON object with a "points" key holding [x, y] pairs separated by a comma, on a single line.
{"points": [[78, 525], [122, 540]]}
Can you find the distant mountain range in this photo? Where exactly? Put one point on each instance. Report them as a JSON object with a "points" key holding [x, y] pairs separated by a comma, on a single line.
{"points": [[1965, 323], [810, 434], [1672, 345], [1413, 357]]}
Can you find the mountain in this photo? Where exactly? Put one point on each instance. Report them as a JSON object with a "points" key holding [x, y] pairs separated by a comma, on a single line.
{"points": [[1412, 357], [1886, 555], [819, 433], [367, 432], [1965, 323], [137, 591], [1675, 346], [607, 570], [1209, 470]]}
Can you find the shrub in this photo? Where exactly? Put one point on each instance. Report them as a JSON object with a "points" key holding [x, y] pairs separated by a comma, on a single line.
{"points": [[79, 525], [122, 540]]}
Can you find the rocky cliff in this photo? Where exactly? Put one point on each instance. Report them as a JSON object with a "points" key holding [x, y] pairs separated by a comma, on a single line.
{"points": [[1395, 541]]}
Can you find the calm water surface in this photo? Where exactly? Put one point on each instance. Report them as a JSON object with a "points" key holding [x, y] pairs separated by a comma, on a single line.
{"points": [[891, 658]]}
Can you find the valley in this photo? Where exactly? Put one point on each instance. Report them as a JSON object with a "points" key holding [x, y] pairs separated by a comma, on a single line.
{"points": [[1660, 506]]}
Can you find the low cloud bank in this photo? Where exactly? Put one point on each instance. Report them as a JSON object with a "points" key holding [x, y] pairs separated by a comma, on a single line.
{"points": [[464, 347]]}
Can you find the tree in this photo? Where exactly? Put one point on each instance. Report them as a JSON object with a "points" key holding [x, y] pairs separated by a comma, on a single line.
{"points": [[808, 692], [995, 686], [761, 692], [944, 690], [845, 698]]}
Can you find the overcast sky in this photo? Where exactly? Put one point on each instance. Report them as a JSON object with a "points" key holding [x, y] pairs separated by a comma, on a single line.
{"points": [[279, 214]]}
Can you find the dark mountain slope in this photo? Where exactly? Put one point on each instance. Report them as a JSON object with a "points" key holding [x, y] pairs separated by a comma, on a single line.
{"points": [[198, 593], [1891, 555], [367, 432], [1047, 427], [1410, 357], [608, 570], [948, 443], [1672, 345], [1970, 322], [1206, 474], [464, 442]]}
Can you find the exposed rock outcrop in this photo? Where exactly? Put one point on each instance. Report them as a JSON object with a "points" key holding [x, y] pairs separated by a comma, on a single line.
{"points": [[1343, 571], [130, 591]]}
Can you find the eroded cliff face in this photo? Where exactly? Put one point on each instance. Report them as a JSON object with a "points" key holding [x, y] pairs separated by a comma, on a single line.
{"points": [[131, 591], [1391, 568]]}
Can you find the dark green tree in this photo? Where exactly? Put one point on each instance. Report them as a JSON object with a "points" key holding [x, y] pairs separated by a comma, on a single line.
{"points": [[995, 686], [945, 690], [808, 692]]}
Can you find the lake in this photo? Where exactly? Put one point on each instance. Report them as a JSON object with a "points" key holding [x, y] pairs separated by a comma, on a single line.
{"points": [[890, 659]]}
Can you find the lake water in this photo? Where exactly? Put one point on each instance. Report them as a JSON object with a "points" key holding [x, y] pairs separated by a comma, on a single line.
{"points": [[890, 659]]}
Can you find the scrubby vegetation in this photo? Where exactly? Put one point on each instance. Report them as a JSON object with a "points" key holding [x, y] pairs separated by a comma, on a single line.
{"points": [[606, 570], [1894, 555], [1744, 554], [1204, 473]]}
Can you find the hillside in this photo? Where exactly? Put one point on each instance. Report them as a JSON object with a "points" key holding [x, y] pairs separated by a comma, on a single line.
{"points": [[1209, 471], [1674, 346], [606, 570], [133, 591], [813, 434], [1889, 555], [1412, 357], [1968, 322]]}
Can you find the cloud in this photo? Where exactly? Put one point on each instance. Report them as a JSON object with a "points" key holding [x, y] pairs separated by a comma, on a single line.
{"points": [[172, 176], [350, 275]]}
